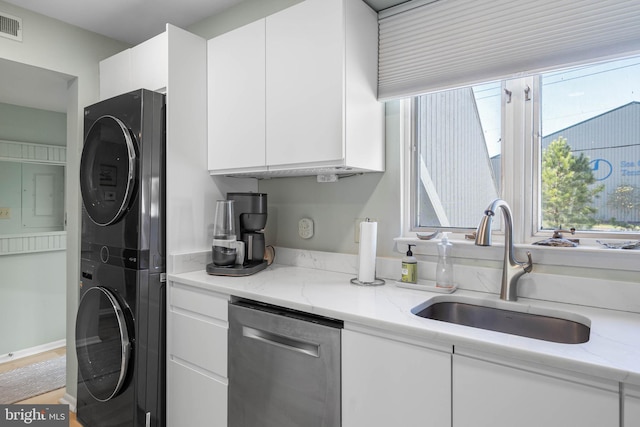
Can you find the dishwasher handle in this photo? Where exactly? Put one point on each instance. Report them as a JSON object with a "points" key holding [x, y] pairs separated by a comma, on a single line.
{"points": [[282, 341]]}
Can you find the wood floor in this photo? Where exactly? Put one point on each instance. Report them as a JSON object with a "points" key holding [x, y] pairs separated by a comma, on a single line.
{"points": [[40, 357], [53, 397]]}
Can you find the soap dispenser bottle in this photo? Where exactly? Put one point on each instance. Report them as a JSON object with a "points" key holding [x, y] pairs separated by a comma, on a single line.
{"points": [[410, 267], [444, 269]]}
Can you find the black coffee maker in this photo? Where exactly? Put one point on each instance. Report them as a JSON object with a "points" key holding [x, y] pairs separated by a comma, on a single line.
{"points": [[250, 215]]}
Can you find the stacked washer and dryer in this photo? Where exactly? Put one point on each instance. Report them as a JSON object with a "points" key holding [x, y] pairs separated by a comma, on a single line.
{"points": [[120, 325]]}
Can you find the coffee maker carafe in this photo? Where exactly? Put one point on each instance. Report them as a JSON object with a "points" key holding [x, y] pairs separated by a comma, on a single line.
{"points": [[227, 249], [250, 218]]}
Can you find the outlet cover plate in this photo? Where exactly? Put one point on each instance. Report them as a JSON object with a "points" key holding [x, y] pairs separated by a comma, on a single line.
{"points": [[305, 228]]}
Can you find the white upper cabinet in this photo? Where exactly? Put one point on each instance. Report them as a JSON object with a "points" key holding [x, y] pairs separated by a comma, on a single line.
{"points": [[144, 66], [305, 81], [150, 64], [236, 98], [299, 88], [115, 75]]}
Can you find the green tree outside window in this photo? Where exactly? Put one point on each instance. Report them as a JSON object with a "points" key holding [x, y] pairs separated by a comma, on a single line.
{"points": [[567, 192]]}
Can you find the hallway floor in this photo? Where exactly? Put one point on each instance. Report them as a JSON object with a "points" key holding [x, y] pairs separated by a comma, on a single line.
{"points": [[52, 397]]}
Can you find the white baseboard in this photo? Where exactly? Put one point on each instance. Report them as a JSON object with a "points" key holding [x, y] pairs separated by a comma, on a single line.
{"points": [[67, 399], [32, 350]]}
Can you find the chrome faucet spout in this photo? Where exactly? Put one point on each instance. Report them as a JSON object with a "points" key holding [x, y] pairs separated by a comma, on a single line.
{"points": [[512, 269]]}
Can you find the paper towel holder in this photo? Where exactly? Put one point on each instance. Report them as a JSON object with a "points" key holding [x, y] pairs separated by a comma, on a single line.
{"points": [[376, 282]]}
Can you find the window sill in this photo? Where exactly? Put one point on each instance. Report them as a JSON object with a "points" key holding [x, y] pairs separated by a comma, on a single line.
{"points": [[589, 255]]}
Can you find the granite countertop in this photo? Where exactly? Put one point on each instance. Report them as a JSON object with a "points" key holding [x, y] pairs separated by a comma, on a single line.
{"points": [[613, 351]]}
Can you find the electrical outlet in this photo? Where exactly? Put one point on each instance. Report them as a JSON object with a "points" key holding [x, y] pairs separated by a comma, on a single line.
{"points": [[5, 213], [305, 228]]}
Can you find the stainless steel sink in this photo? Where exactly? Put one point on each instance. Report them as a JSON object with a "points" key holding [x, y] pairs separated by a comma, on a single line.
{"points": [[542, 326]]}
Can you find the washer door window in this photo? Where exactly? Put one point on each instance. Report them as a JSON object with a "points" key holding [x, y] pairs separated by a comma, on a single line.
{"points": [[103, 343], [107, 170]]}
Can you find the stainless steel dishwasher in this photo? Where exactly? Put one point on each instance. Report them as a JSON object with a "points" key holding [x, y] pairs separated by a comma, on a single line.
{"points": [[284, 367]]}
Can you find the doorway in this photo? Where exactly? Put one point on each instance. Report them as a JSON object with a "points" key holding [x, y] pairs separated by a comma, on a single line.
{"points": [[33, 139]]}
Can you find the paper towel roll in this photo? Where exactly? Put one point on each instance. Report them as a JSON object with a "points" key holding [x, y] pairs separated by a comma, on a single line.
{"points": [[367, 251]]}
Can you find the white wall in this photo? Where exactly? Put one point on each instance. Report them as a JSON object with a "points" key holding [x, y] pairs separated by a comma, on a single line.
{"points": [[34, 125], [32, 300], [53, 45]]}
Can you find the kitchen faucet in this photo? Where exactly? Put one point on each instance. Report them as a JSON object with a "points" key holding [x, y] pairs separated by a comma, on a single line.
{"points": [[512, 269]]}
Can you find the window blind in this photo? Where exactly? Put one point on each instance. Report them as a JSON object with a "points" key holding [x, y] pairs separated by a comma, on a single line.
{"points": [[433, 45]]}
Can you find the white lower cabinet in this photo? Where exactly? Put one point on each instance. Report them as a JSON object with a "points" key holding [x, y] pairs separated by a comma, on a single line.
{"points": [[391, 379], [387, 382], [194, 398], [631, 406], [197, 329], [493, 393]]}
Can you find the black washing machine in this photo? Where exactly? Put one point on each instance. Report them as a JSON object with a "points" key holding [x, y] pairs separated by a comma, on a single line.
{"points": [[122, 176], [120, 325]]}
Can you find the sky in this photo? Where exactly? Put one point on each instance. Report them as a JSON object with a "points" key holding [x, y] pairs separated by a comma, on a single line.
{"points": [[568, 96]]}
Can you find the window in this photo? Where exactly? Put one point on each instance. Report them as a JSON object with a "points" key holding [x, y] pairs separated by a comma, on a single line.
{"points": [[562, 147], [590, 118], [457, 155]]}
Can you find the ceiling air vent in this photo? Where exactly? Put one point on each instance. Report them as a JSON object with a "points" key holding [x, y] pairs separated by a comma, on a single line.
{"points": [[10, 27]]}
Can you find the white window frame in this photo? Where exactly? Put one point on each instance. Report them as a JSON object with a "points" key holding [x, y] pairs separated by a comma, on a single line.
{"points": [[520, 122]]}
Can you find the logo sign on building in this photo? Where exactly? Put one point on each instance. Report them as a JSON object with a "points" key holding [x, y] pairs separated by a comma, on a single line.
{"points": [[601, 168], [34, 415]]}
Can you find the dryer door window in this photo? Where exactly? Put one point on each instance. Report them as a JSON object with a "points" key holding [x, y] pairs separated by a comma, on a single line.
{"points": [[103, 343], [107, 170]]}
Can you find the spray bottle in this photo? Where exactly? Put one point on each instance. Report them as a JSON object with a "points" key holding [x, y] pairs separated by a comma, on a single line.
{"points": [[444, 269]]}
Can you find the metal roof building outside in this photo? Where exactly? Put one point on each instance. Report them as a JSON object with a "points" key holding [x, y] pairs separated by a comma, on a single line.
{"points": [[611, 141]]}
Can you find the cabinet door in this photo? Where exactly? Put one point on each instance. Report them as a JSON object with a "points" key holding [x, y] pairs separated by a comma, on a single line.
{"points": [[305, 77], [195, 399], [488, 394], [391, 383], [197, 328], [196, 356], [632, 406], [149, 64], [115, 75], [144, 66], [187, 342], [236, 97]]}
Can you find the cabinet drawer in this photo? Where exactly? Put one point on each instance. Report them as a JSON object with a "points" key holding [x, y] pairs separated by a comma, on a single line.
{"points": [[193, 399], [198, 342], [198, 301]]}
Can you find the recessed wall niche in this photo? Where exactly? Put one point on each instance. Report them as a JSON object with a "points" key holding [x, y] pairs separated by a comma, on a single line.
{"points": [[31, 196]]}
